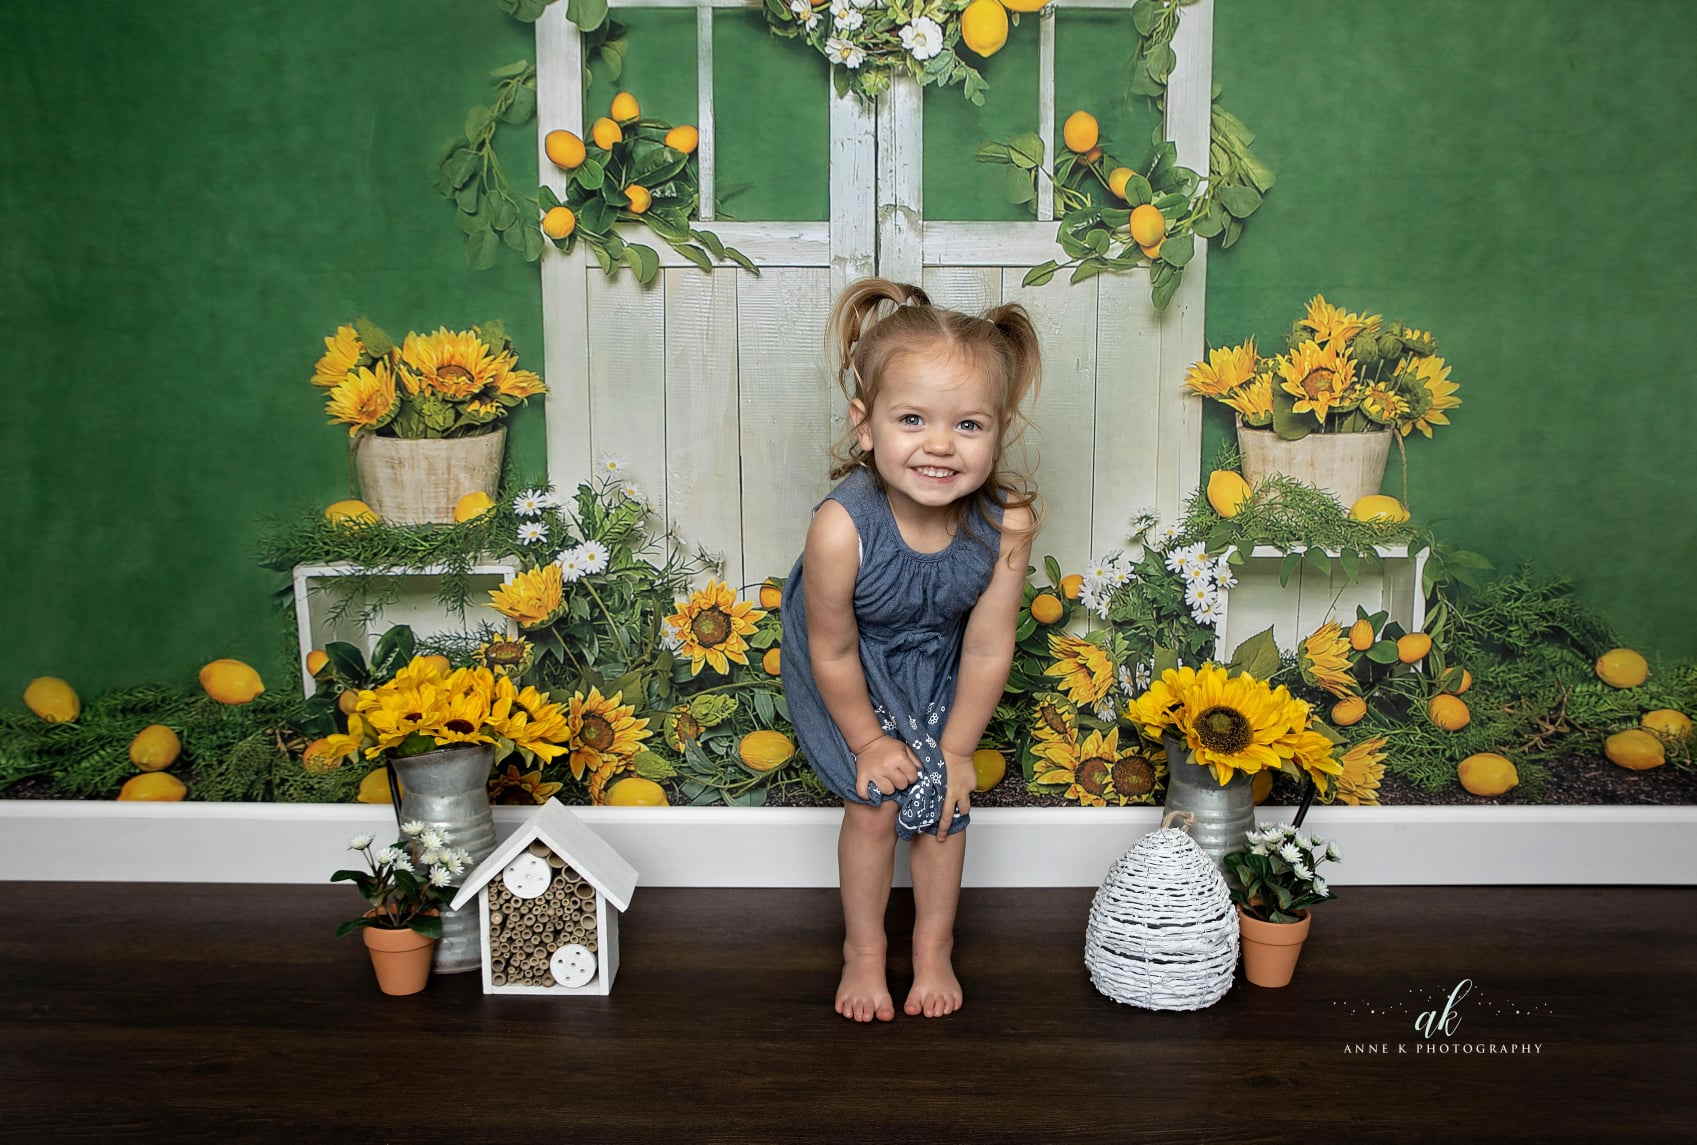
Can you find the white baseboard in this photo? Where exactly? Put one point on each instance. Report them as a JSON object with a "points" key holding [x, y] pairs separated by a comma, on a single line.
{"points": [[86, 840]]}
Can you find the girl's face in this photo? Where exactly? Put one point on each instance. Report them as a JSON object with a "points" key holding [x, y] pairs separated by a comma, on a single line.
{"points": [[933, 431]]}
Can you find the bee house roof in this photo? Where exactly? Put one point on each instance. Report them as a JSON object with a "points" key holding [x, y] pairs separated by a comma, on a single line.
{"points": [[568, 837]]}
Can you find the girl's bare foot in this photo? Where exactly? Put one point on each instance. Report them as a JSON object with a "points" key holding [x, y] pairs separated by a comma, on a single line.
{"points": [[936, 991], [863, 993]]}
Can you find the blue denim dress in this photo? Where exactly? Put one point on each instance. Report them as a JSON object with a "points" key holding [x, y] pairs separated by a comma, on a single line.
{"points": [[911, 609]]}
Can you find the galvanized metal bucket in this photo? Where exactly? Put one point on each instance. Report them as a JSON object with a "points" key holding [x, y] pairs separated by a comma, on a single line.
{"points": [[1222, 814], [449, 790]]}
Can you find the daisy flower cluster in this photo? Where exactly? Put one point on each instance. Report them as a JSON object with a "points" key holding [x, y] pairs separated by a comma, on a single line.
{"points": [[400, 896], [1303, 853], [1205, 579]]}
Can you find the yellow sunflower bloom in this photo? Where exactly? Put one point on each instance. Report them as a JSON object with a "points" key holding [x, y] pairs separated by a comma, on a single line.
{"points": [[511, 787], [420, 670], [599, 731], [519, 384], [604, 775], [539, 727], [365, 399], [1325, 660], [1086, 767], [463, 712], [397, 713], [1232, 723], [1086, 672], [456, 365], [532, 598], [1227, 368], [340, 747], [1053, 719], [1312, 752], [1318, 378], [1333, 326], [1363, 769], [1433, 374], [341, 354], [1157, 708], [1383, 404], [1253, 399], [710, 627], [506, 655]]}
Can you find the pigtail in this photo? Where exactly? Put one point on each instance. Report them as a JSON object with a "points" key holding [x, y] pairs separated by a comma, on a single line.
{"points": [[861, 306], [1024, 361]]}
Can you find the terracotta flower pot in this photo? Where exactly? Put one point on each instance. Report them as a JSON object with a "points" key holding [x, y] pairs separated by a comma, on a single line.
{"points": [[1270, 949], [401, 958]]}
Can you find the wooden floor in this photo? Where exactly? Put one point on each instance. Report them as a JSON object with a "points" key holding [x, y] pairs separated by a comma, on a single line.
{"points": [[190, 1013]]}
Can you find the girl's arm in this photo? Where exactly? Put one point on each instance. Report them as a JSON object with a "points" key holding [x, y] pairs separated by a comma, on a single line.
{"points": [[987, 653], [830, 563]]}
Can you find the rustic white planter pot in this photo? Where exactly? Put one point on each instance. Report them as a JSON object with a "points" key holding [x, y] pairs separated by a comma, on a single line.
{"points": [[1347, 465], [416, 481]]}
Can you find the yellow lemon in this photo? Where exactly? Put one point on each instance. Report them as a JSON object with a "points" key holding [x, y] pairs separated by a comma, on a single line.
{"points": [[53, 700], [640, 199], [374, 788], [473, 504], [1118, 178], [1635, 749], [1456, 680], [153, 787], [1361, 635], [1092, 156], [635, 791], [559, 222], [772, 662], [1045, 608], [605, 133], [1024, 5], [231, 682], [1152, 252], [315, 660], [350, 512], [1411, 646], [1448, 712], [763, 750], [1227, 491], [1349, 710], [155, 748], [1622, 668], [1674, 725], [1071, 585], [770, 595], [624, 107], [984, 26], [1080, 131], [1487, 773], [684, 137], [564, 149], [1378, 507], [1148, 225], [348, 701], [988, 765], [437, 663], [318, 758], [1262, 785], [1466, 681]]}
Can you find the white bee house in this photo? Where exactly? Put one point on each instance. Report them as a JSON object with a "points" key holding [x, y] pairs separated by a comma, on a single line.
{"points": [[548, 902]]}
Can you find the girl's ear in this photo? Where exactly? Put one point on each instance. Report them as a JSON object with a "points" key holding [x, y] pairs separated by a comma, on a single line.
{"points": [[857, 418]]}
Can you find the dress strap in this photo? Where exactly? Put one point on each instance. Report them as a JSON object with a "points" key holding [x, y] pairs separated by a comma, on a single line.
{"points": [[857, 493]]}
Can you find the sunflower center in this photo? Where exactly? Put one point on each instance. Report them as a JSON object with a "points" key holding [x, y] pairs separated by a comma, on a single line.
{"points": [[413, 717], [506, 652], [1224, 730], [711, 627], [1051, 716], [688, 726], [464, 727], [455, 372], [1317, 382], [1133, 776], [1093, 775], [597, 733]]}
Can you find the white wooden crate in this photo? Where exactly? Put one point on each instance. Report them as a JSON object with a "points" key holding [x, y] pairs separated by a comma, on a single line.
{"points": [[1310, 598], [415, 605]]}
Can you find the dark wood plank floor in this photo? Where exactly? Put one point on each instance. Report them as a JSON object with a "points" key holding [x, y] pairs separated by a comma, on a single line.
{"points": [[191, 1013]]}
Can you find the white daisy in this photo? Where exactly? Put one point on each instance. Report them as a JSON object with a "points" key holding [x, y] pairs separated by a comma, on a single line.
{"points": [[592, 555], [1106, 712], [1198, 593], [1320, 886], [1258, 849], [456, 864], [922, 38], [1168, 534], [1285, 830], [1195, 572], [404, 864], [571, 566], [359, 842], [530, 503], [412, 827], [1333, 853], [804, 14], [439, 876], [629, 490], [1290, 854], [532, 531], [1223, 576], [1207, 613], [388, 855], [847, 18], [1101, 571]]}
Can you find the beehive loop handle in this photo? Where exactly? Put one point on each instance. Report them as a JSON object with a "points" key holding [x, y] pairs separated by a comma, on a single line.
{"points": [[1188, 817]]}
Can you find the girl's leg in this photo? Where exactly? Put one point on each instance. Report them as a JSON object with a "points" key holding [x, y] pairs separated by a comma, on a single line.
{"points": [[866, 861], [936, 866]]}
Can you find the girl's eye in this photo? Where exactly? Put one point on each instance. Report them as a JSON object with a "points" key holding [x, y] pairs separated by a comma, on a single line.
{"points": [[972, 423], [905, 416]]}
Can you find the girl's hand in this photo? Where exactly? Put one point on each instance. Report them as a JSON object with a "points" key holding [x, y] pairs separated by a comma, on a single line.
{"points": [[963, 780], [887, 762]]}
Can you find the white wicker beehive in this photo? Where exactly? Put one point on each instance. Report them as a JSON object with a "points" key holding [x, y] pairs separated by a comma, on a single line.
{"points": [[1163, 934]]}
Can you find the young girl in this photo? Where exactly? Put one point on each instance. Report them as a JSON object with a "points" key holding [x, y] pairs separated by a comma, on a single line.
{"points": [[899, 615]]}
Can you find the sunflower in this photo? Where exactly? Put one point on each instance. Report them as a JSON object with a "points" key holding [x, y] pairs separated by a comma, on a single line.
{"points": [[680, 725], [1383, 404], [605, 774], [1053, 718], [540, 728], [1311, 751], [338, 748], [394, 713], [1325, 661], [420, 670], [1086, 672], [341, 354], [1419, 341], [519, 384], [464, 711], [1253, 399], [506, 655], [711, 625], [528, 788], [599, 731], [1137, 771], [1363, 769], [455, 365], [532, 598], [1432, 375], [1230, 723], [1227, 368], [1086, 767], [365, 399], [1318, 378], [1332, 326]]}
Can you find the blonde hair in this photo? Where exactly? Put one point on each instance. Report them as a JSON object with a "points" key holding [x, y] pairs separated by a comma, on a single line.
{"points": [[874, 319]]}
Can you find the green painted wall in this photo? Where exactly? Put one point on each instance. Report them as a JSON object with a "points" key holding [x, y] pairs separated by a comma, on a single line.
{"points": [[197, 193]]}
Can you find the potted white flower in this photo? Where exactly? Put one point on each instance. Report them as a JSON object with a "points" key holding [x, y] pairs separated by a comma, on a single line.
{"points": [[1273, 883], [404, 920]]}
